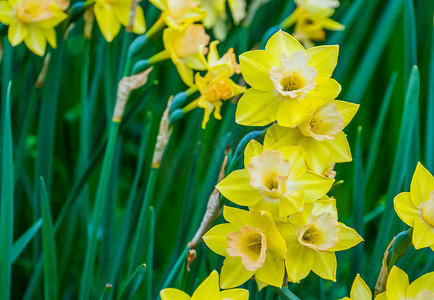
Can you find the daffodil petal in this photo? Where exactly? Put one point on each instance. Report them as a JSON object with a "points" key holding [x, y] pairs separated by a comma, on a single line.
{"points": [[272, 271], [381, 296], [425, 282], [50, 35], [316, 154], [322, 94], [405, 209], [233, 273], [237, 188], [397, 284], [35, 41], [347, 237], [313, 185], [107, 20], [255, 66], [139, 21], [423, 234], [360, 290], [160, 4], [282, 42], [293, 112], [298, 262], [324, 264], [297, 163], [324, 60], [173, 294], [339, 148], [6, 13], [291, 203], [278, 136], [325, 206], [257, 108], [208, 289], [237, 217], [421, 186], [253, 148], [234, 294], [185, 72], [17, 33], [347, 109], [216, 238]]}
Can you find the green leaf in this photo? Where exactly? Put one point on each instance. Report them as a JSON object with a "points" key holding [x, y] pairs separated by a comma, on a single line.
{"points": [[24, 240], [107, 292], [133, 283]]}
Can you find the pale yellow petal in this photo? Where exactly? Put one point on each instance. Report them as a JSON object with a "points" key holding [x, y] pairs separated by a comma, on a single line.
{"points": [[253, 148], [425, 282], [324, 60], [173, 294], [313, 185], [423, 234], [397, 284], [298, 262], [216, 238], [293, 112], [339, 148], [17, 33], [107, 20], [35, 41], [233, 273], [255, 67], [257, 108], [405, 209], [347, 237], [237, 188], [421, 186], [282, 42], [208, 289], [316, 154], [360, 290], [324, 264], [347, 109], [272, 271]]}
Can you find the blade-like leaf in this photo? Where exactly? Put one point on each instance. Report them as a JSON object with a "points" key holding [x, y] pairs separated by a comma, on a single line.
{"points": [[24, 240], [133, 283]]}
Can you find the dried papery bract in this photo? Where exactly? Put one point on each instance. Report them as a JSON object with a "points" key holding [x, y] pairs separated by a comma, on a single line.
{"points": [[132, 16], [89, 18], [125, 87], [41, 78], [163, 137], [380, 286]]}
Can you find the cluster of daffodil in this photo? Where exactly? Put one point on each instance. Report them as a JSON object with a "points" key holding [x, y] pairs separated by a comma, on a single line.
{"points": [[310, 18], [291, 225]]}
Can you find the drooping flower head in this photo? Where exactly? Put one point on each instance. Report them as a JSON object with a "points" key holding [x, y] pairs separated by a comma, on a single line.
{"points": [[185, 47], [31, 21], [252, 246], [359, 290], [398, 287], [319, 138], [288, 82], [312, 237], [275, 180], [177, 13], [416, 208], [209, 289], [111, 14]]}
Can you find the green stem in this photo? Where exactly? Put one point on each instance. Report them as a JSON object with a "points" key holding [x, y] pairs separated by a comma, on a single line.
{"points": [[150, 258], [86, 280], [285, 293], [175, 268]]}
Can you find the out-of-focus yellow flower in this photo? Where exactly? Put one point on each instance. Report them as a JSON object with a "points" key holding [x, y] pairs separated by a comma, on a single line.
{"points": [[176, 13], [416, 208], [359, 290], [252, 246], [63, 4], [185, 47], [288, 82], [320, 138], [33, 22], [216, 15], [398, 286], [275, 180], [111, 14], [209, 289], [312, 237]]}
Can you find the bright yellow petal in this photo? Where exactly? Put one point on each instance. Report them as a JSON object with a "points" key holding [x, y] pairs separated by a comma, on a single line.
{"points": [[291, 203], [139, 22], [348, 238], [297, 166], [233, 273], [421, 186], [339, 148], [360, 290], [208, 289], [278, 136], [194, 62], [17, 33], [255, 67], [293, 112], [313, 185], [213, 54], [330, 24], [425, 282], [57, 17], [160, 4], [316, 154], [257, 108], [235, 294], [216, 238], [405, 209], [324, 264], [324, 60], [186, 73], [423, 234], [272, 271], [325, 206], [381, 296], [122, 11], [6, 13], [347, 110], [397, 284], [50, 35], [173, 294], [253, 148], [323, 94], [237, 217], [298, 262], [282, 42], [237, 188], [35, 41], [107, 20]]}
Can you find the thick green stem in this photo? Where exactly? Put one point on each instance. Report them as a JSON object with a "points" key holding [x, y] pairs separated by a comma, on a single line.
{"points": [[285, 293]]}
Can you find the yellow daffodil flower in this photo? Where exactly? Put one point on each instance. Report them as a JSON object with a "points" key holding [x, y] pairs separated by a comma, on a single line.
{"points": [[177, 13], [185, 47], [275, 180], [111, 14], [252, 246], [32, 21], [416, 208], [63, 4], [359, 290], [312, 237], [209, 289], [288, 82], [398, 287], [320, 138]]}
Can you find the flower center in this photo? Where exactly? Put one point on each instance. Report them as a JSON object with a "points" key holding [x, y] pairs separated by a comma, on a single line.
{"points": [[294, 77], [33, 11], [428, 210], [269, 173], [250, 244], [321, 233], [324, 124], [190, 42]]}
